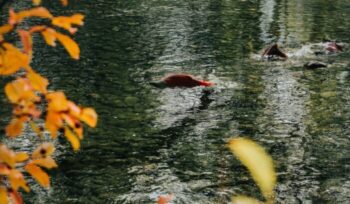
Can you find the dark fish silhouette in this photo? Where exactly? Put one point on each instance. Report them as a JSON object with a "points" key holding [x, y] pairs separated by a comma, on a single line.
{"points": [[274, 51], [180, 80], [315, 65]]}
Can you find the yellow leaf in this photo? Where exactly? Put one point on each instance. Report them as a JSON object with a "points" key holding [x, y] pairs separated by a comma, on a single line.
{"points": [[3, 196], [49, 35], [44, 150], [36, 2], [27, 41], [70, 45], [89, 116], [258, 162], [5, 29], [38, 82], [245, 200], [47, 162], [21, 156], [38, 174], [17, 180], [72, 138]]}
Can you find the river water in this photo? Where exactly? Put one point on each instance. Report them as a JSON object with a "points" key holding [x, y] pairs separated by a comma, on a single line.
{"points": [[153, 141]]}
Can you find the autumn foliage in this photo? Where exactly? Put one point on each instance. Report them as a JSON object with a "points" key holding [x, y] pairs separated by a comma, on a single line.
{"points": [[46, 112]]}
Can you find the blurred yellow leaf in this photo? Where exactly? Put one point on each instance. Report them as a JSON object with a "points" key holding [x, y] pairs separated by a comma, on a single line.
{"points": [[3, 196], [89, 116], [245, 200], [70, 45], [27, 41], [38, 174], [21, 156], [39, 12], [258, 162], [44, 150], [17, 180], [47, 162], [67, 22], [36, 2], [49, 35], [38, 82], [72, 138]]}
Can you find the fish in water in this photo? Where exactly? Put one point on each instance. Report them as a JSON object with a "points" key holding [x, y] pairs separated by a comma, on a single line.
{"points": [[180, 80], [315, 65], [333, 47], [274, 51]]}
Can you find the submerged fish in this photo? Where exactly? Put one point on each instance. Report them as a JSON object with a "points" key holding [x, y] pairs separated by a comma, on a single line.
{"points": [[180, 80]]}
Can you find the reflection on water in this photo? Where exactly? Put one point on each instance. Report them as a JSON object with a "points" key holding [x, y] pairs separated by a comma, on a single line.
{"points": [[158, 141]]}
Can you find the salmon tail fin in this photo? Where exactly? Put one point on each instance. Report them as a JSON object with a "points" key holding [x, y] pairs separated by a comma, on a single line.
{"points": [[206, 83]]}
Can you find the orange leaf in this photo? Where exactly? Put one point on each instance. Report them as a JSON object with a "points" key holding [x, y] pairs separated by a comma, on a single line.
{"points": [[38, 82], [3, 196], [4, 170], [44, 150], [16, 197], [17, 180], [70, 45], [57, 101], [64, 2], [72, 138], [21, 156], [38, 174], [27, 42], [37, 28], [49, 35], [7, 156], [47, 162], [12, 60], [36, 2], [39, 12], [5, 29], [89, 116], [14, 128], [20, 89], [67, 22]]}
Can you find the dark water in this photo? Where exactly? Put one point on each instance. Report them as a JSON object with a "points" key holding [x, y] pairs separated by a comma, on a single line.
{"points": [[151, 141]]}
